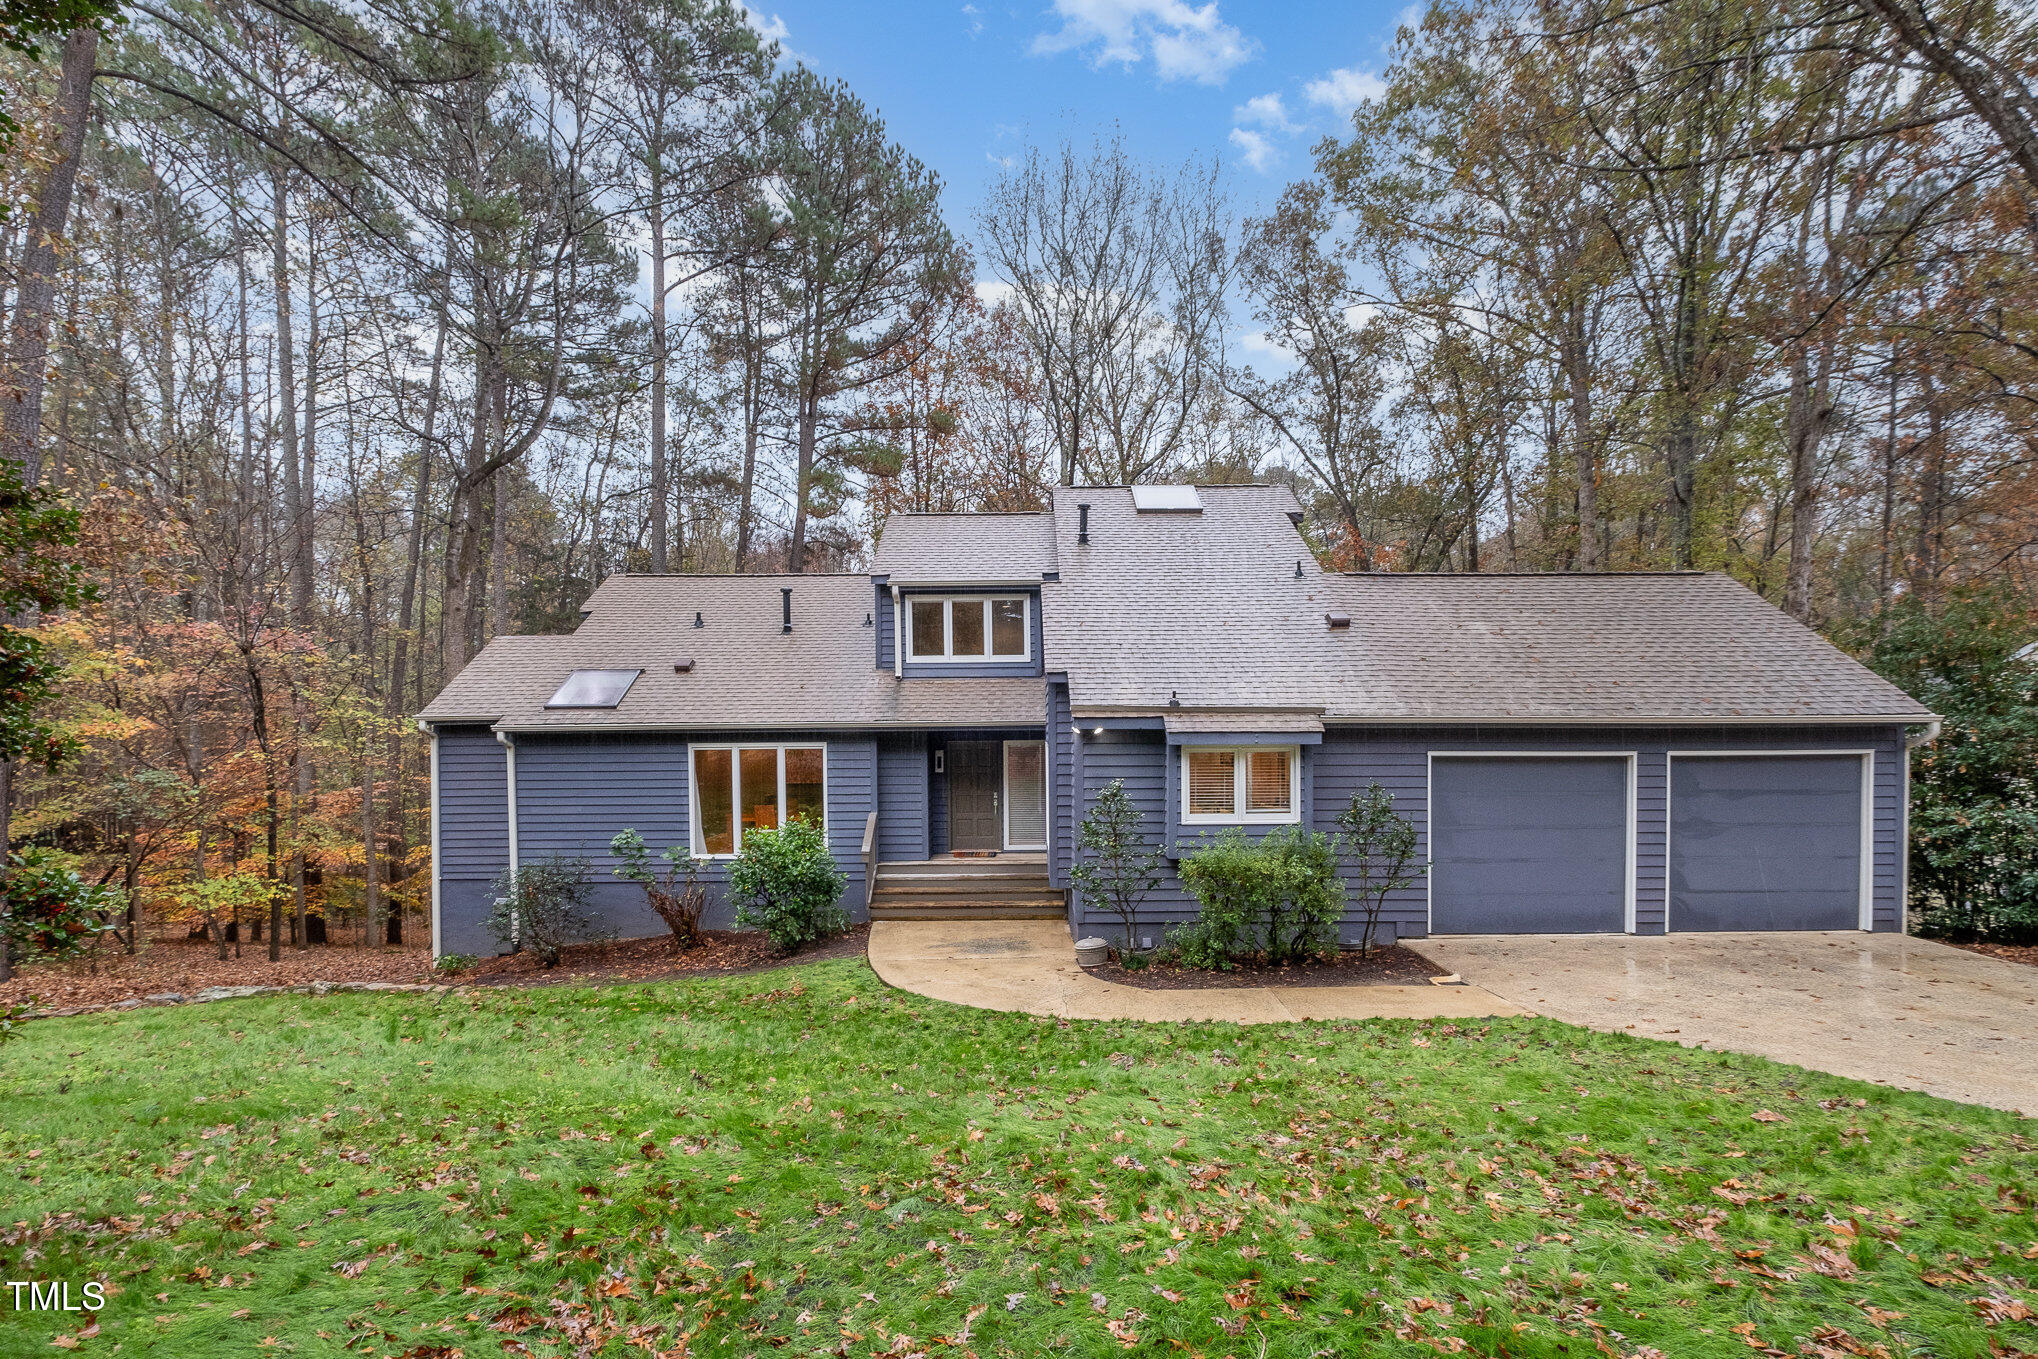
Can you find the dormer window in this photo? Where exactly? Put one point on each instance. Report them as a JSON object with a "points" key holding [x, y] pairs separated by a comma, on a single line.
{"points": [[594, 689], [969, 628]]}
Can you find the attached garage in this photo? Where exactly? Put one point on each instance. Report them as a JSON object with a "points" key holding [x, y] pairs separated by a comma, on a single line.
{"points": [[1769, 842], [1530, 844]]}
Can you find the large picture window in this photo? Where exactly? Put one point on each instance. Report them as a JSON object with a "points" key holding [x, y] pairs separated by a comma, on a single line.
{"points": [[1234, 785], [745, 788], [968, 628]]}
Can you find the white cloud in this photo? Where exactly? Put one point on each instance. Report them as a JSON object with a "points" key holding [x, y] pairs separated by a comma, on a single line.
{"points": [[990, 292], [1264, 347], [1257, 150], [976, 19], [1344, 89], [1185, 42], [771, 30], [1266, 110]]}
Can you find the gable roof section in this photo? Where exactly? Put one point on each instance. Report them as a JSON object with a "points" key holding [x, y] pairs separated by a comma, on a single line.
{"points": [[962, 549], [1675, 646], [746, 672]]}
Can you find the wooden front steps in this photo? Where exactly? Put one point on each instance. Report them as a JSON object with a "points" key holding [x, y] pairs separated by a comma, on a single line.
{"points": [[1007, 887]]}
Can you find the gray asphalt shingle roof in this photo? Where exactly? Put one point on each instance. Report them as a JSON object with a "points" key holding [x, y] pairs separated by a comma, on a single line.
{"points": [[1205, 610], [1208, 611], [746, 672], [957, 549]]}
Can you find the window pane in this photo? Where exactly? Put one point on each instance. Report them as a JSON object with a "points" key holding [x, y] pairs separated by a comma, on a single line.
{"points": [[760, 788], [1267, 781], [712, 801], [968, 627], [1210, 790], [1008, 627], [803, 765], [927, 627]]}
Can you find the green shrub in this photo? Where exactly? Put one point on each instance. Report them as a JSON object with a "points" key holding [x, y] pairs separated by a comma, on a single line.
{"points": [[545, 906], [1379, 843], [786, 884], [1974, 797], [1275, 900], [52, 912], [1116, 865], [677, 894], [453, 964]]}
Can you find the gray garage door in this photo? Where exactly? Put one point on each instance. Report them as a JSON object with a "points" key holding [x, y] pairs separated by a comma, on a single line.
{"points": [[1528, 845], [1765, 842]]}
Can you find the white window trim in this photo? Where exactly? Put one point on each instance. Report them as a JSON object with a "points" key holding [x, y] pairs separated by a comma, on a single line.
{"points": [[947, 655], [693, 800], [1046, 792], [1239, 782]]}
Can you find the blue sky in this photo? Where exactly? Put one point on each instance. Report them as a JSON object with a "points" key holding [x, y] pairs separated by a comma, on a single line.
{"points": [[962, 83]]}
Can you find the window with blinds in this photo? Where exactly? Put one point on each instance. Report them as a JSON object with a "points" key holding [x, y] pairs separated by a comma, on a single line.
{"points": [[1238, 784]]}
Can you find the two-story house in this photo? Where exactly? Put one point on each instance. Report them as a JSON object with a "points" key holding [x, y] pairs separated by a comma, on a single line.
{"points": [[1581, 753]]}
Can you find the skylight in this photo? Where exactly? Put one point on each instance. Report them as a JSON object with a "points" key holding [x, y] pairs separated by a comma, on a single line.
{"points": [[594, 689], [1166, 500]]}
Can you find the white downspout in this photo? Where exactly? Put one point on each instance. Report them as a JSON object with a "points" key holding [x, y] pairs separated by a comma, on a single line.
{"points": [[898, 637], [437, 863], [509, 747]]}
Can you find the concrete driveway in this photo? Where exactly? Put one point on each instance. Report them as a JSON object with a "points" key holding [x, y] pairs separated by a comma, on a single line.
{"points": [[1879, 1007]]}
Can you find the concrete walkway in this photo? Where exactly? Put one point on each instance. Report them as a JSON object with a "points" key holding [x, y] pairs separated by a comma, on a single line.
{"points": [[1905, 1012], [1029, 966]]}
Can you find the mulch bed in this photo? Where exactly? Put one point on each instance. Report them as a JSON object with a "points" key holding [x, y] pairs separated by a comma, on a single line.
{"points": [[185, 967], [1397, 965], [2026, 954], [720, 953]]}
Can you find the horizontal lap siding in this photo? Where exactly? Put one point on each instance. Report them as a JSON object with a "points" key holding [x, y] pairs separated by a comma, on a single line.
{"points": [[473, 848], [1398, 760], [902, 798], [575, 792], [1139, 760]]}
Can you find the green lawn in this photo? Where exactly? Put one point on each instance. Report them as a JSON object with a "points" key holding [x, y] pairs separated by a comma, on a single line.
{"points": [[805, 1162]]}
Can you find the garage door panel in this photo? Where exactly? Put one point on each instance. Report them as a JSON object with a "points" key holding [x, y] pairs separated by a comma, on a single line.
{"points": [[1528, 845], [1765, 842]]}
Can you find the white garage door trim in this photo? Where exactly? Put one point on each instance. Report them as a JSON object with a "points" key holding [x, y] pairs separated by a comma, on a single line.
{"points": [[1429, 805], [1866, 889]]}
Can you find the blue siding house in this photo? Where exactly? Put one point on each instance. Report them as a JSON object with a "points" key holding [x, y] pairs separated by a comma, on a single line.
{"points": [[1582, 753]]}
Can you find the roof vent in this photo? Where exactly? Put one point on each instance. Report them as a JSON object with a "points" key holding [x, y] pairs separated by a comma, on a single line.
{"points": [[1337, 621], [697, 620], [1166, 500], [683, 666], [1083, 523], [785, 599]]}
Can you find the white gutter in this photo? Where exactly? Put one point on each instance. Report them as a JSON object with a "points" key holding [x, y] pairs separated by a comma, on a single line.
{"points": [[898, 636], [1925, 737]]}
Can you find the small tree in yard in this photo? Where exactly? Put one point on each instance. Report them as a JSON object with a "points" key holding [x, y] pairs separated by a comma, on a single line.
{"points": [[1116, 865], [677, 896], [786, 884], [1379, 844], [545, 906], [54, 913]]}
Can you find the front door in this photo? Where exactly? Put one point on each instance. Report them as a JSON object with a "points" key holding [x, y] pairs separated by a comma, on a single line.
{"points": [[973, 811]]}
